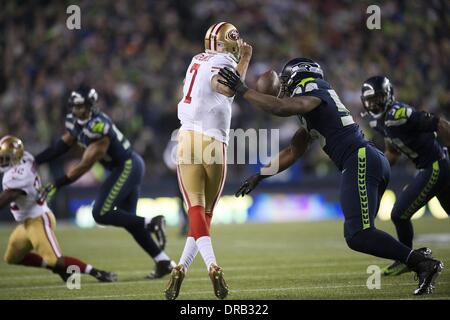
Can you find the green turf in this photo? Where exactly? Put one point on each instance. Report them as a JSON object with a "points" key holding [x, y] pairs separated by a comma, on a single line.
{"points": [[261, 261]]}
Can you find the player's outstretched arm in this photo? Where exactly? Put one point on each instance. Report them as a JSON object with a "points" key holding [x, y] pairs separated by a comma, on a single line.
{"points": [[9, 195], [58, 149], [287, 157], [94, 152], [280, 107]]}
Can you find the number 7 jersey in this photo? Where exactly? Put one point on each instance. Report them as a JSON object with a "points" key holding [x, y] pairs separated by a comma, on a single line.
{"points": [[202, 109], [25, 177]]}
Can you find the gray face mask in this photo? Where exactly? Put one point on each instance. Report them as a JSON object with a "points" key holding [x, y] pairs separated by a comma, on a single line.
{"points": [[83, 122]]}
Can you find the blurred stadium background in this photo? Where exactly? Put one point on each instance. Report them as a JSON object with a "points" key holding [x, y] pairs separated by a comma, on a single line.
{"points": [[135, 54]]}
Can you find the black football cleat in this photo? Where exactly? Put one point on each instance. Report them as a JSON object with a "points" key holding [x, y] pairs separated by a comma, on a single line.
{"points": [[158, 227], [426, 252], [162, 268], [427, 272], [398, 268], [64, 275], [104, 276]]}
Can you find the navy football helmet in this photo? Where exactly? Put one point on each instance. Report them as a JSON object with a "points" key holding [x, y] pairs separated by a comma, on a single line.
{"points": [[297, 69], [84, 95], [377, 95]]}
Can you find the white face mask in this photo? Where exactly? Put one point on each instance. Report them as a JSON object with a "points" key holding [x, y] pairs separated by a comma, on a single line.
{"points": [[83, 122]]}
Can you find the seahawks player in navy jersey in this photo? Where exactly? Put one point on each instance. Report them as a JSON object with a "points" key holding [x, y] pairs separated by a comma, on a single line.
{"points": [[117, 200], [365, 170], [413, 134]]}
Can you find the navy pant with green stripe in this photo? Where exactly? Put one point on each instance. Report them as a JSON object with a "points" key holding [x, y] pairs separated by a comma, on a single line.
{"points": [[428, 183], [365, 176], [117, 200]]}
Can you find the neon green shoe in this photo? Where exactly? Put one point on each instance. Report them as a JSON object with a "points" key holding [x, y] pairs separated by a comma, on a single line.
{"points": [[395, 269]]}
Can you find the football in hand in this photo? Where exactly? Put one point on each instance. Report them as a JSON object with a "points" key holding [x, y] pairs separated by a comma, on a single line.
{"points": [[268, 83]]}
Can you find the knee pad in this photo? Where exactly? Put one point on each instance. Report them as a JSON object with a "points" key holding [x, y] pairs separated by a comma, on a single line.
{"points": [[350, 243], [357, 241]]}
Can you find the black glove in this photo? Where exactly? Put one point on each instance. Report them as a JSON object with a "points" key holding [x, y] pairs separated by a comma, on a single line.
{"points": [[232, 80], [248, 185]]}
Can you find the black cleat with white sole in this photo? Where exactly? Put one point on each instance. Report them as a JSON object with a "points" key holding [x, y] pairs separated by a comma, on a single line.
{"points": [[427, 272], [157, 226], [103, 276], [162, 268]]}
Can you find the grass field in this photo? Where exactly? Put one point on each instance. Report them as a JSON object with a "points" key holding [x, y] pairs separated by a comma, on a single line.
{"points": [[265, 261]]}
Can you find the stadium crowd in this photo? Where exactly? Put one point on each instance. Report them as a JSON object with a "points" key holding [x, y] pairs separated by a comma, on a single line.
{"points": [[137, 64]]}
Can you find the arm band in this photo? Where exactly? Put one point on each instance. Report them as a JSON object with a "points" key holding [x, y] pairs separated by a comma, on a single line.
{"points": [[52, 152]]}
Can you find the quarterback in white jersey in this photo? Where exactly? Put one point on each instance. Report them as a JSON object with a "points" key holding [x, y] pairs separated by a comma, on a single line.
{"points": [[202, 108], [205, 115], [33, 242]]}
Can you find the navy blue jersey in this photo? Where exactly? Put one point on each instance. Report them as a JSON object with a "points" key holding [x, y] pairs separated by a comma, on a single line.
{"points": [[330, 122], [400, 127], [100, 125]]}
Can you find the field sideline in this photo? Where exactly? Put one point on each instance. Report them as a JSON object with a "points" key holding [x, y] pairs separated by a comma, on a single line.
{"points": [[261, 261]]}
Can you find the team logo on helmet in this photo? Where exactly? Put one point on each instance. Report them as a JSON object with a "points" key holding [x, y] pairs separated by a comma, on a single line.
{"points": [[233, 34]]}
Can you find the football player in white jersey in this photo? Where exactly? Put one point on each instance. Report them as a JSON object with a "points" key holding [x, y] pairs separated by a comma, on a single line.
{"points": [[36, 222], [205, 115]]}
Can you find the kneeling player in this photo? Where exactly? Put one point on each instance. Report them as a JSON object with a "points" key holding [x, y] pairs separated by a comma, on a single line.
{"points": [[37, 223]]}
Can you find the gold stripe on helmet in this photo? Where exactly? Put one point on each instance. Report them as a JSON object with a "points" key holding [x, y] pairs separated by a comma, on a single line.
{"points": [[223, 37]]}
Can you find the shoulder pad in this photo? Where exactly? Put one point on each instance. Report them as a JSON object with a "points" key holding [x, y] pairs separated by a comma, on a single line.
{"points": [[306, 85], [28, 157], [98, 126], [310, 84], [17, 178], [223, 60], [398, 115]]}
